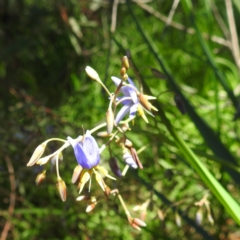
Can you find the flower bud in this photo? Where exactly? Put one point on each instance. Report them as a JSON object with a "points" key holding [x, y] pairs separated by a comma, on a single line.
{"points": [[92, 73], [178, 219], [76, 173], [82, 197], [125, 62], [210, 219], [40, 178], [123, 73], [114, 167], [136, 223], [37, 154], [125, 127], [91, 206], [62, 189], [160, 215], [103, 134], [128, 143], [43, 160], [109, 120]]}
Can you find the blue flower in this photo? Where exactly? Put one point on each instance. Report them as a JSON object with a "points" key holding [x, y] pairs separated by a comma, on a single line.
{"points": [[86, 151], [88, 157], [132, 101], [129, 100]]}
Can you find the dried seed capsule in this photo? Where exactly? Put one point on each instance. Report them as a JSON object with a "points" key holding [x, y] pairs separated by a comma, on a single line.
{"points": [[114, 167]]}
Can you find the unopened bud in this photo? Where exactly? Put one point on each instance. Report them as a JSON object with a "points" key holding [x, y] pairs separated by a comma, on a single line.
{"points": [[114, 167], [62, 189], [37, 154], [43, 160], [210, 219], [136, 223], [76, 173], [123, 72], [128, 143], [125, 62], [160, 215], [103, 134], [178, 219], [40, 178], [83, 197], [91, 206], [92, 73], [125, 127], [109, 120]]}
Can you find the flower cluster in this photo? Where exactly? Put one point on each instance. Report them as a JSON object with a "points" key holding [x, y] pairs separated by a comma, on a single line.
{"points": [[87, 151]]}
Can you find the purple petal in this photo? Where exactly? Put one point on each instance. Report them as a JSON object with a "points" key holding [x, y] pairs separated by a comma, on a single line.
{"points": [[131, 82], [126, 91], [129, 91], [116, 80], [129, 160], [123, 111], [91, 150], [124, 102], [86, 152], [133, 110]]}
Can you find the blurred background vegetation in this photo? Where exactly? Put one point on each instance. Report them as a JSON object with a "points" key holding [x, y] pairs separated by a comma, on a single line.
{"points": [[45, 92]]}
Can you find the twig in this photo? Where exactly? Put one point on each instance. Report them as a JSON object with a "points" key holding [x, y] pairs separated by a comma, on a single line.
{"points": [[220, 21], [172, 11], [7, 225], [233, 32], [181, 27], [114, 15]]}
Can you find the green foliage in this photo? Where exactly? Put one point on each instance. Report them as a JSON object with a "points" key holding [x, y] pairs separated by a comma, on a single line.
{"points": [[46, 93]]}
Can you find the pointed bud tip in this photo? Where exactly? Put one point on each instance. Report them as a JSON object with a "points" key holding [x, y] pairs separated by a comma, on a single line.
{"points": [[92, 73], [62, 189], [125, 62], [37, 154], [40, 178]]}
